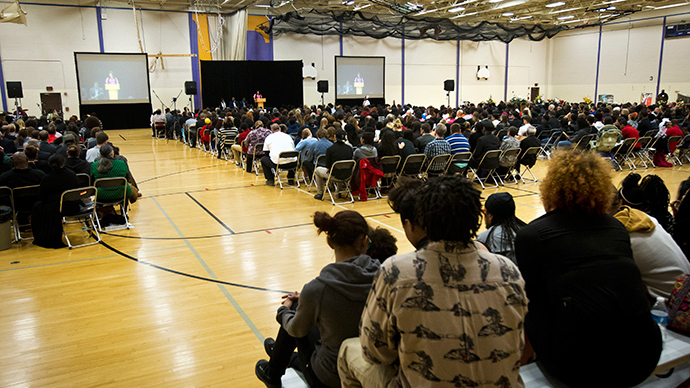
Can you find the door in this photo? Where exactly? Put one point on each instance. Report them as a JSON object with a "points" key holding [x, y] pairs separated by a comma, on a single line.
{"points": [[50, 102], [533, 94]]}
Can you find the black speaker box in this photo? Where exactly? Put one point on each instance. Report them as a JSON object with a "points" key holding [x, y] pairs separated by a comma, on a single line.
{"points": [[14, 89], [449, 85], [190, 88], [322, 86]]}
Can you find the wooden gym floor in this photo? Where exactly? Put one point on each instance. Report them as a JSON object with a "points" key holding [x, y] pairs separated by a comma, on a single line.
{"points": [[188, 295]]}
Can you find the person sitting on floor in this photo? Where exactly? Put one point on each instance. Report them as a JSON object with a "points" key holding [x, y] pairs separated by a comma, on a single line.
{"points": [[327, 311]]}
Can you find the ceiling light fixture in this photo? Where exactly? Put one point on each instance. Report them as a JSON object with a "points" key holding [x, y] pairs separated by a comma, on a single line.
{"points": [[361, 7], [495, 1], [552, 5], [520, 18], [572, 21], [508, 14], [670, 6], [565, 10], [566, 17], [349, 2], [465, 14], [456, 9]]}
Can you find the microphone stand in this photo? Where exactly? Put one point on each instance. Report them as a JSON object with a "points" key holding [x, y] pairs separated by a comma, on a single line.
{"points": [[174, 100], [159, 99]]}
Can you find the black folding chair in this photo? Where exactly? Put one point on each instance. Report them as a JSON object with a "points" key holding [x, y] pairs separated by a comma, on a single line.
{"points": [[340, 175], [84, 180], [437, 166], [313, 175], [531, 155], [86, 198], [287, 161], [489, 162], [389, 167], [256, 162], [509, 154], [412, 167], [6, 193], [672, 155], [459, 163]]}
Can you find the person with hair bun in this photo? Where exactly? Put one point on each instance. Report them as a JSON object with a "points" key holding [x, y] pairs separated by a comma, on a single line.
{"points": [[578, 264], [449, 314], [327, 311]]}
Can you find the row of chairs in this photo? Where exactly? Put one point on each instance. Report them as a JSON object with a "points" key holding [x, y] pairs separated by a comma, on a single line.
{"points": [[27, 196], [630, 155]]}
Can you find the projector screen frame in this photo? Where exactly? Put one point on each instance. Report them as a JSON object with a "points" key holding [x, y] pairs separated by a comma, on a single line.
{"points": [[358, 98], [116, 102]]}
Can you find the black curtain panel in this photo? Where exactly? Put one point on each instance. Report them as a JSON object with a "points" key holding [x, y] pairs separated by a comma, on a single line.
{"points": [[120, 116], [280, 82]]}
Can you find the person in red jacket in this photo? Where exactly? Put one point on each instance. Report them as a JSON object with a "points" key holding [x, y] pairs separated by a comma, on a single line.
{"points": [[628, 131]]}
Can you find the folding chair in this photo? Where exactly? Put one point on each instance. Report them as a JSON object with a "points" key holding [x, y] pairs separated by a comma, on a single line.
{"points": [[187, 135], [488, 162], [460, 160], [683, 148], [551, 143], [24, 199], [112, 186], [287, 161], [583, 143], [86, 215], [159, 128], [219, 143], [672, 155], [389, 166], [258, 151], [530, 152], [6, 192], [412, 166], [437, 166], [622, 154], [514, 154], [641, 153], [84, 180], [340, 175], [502, 133], [313, 176], [228, 142]]}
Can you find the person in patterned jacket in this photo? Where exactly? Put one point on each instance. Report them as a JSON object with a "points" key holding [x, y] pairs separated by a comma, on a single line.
{"points": [[447, 315]]}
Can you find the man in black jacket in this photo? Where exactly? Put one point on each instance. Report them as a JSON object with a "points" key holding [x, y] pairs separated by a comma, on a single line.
{"points": [[335, 153], [486, 143]]}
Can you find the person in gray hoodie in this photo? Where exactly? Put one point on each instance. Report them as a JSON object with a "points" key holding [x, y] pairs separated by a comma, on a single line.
{"points": [[327, 311]]}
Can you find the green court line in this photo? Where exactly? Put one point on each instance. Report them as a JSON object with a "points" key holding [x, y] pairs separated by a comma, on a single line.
{"points": [[224, 290], [91, 258]]}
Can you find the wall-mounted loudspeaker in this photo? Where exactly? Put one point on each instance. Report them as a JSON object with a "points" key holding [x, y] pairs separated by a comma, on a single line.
{"points": [[14, 89], [190, 88], [322, 86], [449, 85]]}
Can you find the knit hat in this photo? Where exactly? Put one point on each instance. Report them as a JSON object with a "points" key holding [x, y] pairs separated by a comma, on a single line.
{"points": [[500, 205]]}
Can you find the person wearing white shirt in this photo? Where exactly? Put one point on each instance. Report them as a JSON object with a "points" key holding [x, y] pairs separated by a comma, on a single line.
{"points": [[522, 132], [275, 143], [95, 152]]}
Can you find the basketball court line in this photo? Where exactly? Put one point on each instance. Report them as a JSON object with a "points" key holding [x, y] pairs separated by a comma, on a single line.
{"points": [[222, 288], [211, 214]]}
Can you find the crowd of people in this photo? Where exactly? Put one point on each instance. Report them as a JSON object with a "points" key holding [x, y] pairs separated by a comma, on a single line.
{"points": [[347, 133], [467, 309], [50, 153]]}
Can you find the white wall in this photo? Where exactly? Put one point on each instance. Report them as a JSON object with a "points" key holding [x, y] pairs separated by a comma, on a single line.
{"points": [[42, 53]]}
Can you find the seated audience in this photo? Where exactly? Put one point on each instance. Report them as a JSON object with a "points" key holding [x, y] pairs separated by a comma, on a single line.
{"points": [[74, 162], [335, 153], [109, 167], [436, 147], [274, 144], [383, 244], [256, 136], [659, 258], [488, 142], [32, 151], [458, 142], [367, 149], [578, 265], [46, 219], [448, 314], [93, 153], [327, 311], [241, 148], [502, 225]]}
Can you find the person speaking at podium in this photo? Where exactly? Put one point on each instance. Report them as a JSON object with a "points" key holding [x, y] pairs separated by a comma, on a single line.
{"points": [[112, 85], [259, 99]]}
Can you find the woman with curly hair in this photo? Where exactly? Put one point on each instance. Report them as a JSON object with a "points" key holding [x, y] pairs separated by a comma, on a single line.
{"points": [[578, 266]]}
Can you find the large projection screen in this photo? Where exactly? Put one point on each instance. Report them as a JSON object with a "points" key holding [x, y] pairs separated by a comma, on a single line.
{"points": [[358, 77], [112, 78]]}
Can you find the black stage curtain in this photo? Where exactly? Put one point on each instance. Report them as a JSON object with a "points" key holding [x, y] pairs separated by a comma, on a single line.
{"points": [[280, 82], [120, 116]]}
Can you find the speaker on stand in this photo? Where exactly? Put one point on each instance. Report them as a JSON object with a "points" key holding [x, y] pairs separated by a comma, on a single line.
{"points": [[322, 87], [448, 86], [14, 90], [190, 90]]}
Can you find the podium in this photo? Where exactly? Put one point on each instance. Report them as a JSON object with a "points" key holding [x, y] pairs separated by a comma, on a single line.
{"points": [[113, 90], [260, 102], [358, 87]]}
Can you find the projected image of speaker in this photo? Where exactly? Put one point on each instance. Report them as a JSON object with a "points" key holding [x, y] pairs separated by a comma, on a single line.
{"points": [[322, 86], [14, 89], [190, 88], [449, 85]]}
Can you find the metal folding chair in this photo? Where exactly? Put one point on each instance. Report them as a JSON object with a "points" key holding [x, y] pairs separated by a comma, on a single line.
{"points": [[583, 143], [672, 155], [412, 167], [389, 167], [683, 149], [287, 161], [112, 184], [488, 162], [551, 143], [461, 160], [258, 151], [530, 152], [313, 176], [621, 155], [437, 166], [641, 153], [86, 215], [84, 180], [340, 175], [160, 130], [514, 154]]}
